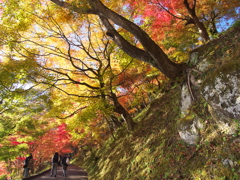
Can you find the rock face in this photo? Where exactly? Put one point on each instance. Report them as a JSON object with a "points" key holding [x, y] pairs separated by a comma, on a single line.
{"points": [[186, 100], [189, 129], [210, 95], [224, 123], [222, 90]]}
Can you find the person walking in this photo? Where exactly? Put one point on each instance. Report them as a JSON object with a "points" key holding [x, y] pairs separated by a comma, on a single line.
{"points": [[55, 162], [28, 165], [65, 163]]}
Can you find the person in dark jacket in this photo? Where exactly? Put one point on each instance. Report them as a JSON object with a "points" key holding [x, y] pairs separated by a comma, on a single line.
{"points": [[65, 163], [28, 165], [55, 162]]}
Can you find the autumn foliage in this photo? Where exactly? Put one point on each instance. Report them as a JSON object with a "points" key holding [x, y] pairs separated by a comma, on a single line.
{"points": [[73, 72], [170, 23]]}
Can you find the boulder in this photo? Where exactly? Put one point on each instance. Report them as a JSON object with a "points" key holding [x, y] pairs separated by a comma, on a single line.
{"points": [[225, 125], [189, 128], [222, 91]]}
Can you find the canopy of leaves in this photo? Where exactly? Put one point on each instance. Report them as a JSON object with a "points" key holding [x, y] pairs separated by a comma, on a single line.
{"points": [[170, 24]]}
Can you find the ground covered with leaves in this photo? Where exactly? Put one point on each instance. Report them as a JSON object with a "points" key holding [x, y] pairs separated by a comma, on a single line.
{"points": [[154, 149]]}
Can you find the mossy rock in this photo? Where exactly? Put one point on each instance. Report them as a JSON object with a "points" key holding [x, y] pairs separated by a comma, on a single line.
{"points": [[221, 89], [189, 128]]}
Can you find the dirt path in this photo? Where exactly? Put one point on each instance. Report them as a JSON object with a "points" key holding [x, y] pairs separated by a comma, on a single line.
{"points": [[73, 172]]}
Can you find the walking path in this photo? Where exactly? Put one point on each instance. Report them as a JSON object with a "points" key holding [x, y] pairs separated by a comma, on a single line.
{"points": [[73, 172]]}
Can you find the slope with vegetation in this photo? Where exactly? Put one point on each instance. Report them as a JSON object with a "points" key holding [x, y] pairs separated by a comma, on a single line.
{"points": [[154, 149]]}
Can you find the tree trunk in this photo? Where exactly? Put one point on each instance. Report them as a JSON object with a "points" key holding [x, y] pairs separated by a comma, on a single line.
{"points": [[121, 110], [129, 121], [116, 122], [151, 54], [212, 26], [202, 29], [197, 22]]}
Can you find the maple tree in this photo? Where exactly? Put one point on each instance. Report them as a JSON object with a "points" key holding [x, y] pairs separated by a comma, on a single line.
{"points": [[55, 139], [174, 22], [90, 75], [118, 106], [168, 11], [151, 53]]}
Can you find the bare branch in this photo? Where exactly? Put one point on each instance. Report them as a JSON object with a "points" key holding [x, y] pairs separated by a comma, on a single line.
{"points": [[75, 112]]}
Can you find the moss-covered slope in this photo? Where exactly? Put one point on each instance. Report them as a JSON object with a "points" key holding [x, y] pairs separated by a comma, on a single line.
{"points": [[154, 151]]}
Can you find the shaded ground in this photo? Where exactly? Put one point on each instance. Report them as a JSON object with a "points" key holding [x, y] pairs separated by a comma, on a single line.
{"points": [[73, 172]]}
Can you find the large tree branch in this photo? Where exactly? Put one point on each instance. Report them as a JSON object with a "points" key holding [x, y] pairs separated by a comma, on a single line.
{"points": [[149, 45], [105, 14], [127, 47], [81, 10], [158, 58]]}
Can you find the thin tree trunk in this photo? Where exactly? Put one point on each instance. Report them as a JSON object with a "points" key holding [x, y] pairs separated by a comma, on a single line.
{"points": [[197, 22], [116, 121], [121, 110], [111, 129], [129, 121]]}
